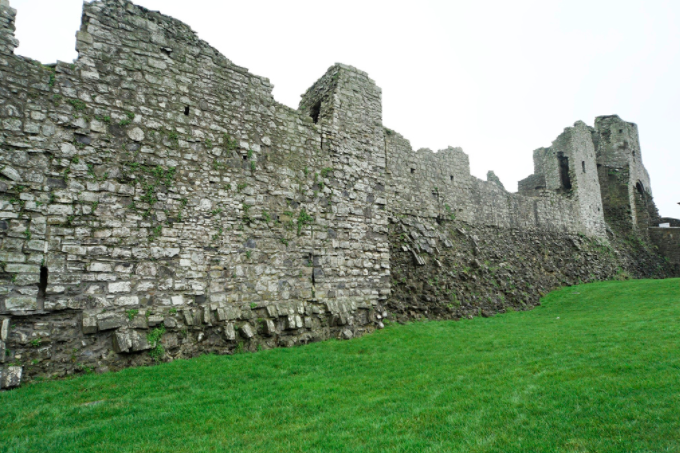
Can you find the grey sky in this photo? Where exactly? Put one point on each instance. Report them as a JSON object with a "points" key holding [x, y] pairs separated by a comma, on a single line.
{"points": [[497, 78]]}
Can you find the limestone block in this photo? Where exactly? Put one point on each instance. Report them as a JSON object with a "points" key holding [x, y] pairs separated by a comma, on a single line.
{"points": [[11, 173], [21, 303], [123, 301], [4, 328], [119, 287], [89, 325], [206, 317], [293, 322], [11, 377], [139, 341], [99, 267], [290, 322], [272, 311], [177, 300], [269, 327], [247, 331], [233, 313], [155, 320], [188, 317], [122, 341], [229, 332], [22, 268], [108, 321], [84, 37], [139, 322]]}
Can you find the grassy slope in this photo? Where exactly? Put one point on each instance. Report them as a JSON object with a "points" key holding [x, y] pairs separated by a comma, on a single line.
{"points": [[604, 377]]}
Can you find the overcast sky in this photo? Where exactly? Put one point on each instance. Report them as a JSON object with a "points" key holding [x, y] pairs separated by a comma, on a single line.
{"points": [[498, 78]]}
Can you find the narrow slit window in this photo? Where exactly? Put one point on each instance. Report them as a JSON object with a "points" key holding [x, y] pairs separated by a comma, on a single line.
{"points": [[413, 170], [42, 287], [451, 176], [315, 112], [583, 165], [186, 110], [565, 179]]}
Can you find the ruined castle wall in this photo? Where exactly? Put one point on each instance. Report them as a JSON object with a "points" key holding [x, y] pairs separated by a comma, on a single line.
{"points": [[349, 119], [576, 142], [568, 168], [157, 203], [153, 182], [439, 185], [620, 162]]}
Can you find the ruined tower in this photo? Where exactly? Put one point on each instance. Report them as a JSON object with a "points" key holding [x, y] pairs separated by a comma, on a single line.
{"points": [[624, 181]]}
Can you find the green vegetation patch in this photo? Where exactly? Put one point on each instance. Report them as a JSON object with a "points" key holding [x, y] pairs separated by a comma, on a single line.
{"points": [[596, 368]]}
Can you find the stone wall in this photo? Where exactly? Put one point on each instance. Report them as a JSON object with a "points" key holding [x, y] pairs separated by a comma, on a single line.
{"points": [[439, 185], [668, 242], [157, 203], [626, 192], [153, 182]]}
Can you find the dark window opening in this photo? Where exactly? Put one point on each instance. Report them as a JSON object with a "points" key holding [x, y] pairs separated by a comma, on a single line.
{"points": [[565, 179], [166, 50], [583, 165], [640, 188], [413, 170], [245, 157], [620, 131], [42, 287], [315, 111], [451, 177], [186, 110]]}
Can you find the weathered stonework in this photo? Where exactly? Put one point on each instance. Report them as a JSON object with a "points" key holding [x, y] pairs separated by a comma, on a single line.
{"points": [[157, 203]]}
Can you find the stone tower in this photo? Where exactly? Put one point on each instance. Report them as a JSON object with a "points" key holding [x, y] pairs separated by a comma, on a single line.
{"points": [[568, 167], [624, 181]]}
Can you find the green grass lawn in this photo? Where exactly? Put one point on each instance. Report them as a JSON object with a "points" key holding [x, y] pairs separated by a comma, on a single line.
{"points": [[596, 368]]}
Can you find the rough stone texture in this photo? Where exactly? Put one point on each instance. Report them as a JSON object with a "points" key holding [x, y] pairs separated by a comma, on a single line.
{"points": [[667, 240], [624, 181], [453, 270], [157, 203], [10, 377]]}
